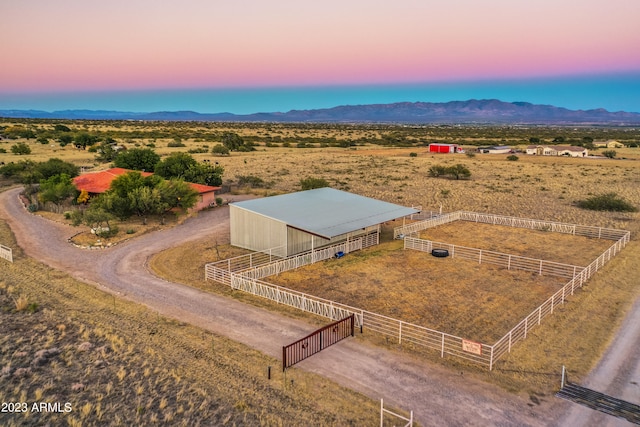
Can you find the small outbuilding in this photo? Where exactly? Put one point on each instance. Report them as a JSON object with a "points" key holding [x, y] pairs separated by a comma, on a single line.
{"points": [[297, 222], [496, 149]]}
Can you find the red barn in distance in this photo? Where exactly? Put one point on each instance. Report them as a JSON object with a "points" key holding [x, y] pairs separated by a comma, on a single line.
{"points": [[445, 148]]}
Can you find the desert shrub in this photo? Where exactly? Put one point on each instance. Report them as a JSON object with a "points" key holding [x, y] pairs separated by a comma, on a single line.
{"points": [[606, 202], [437, 170], [457, 171], [220, 150], [20, 148], [197, 150], [512, 158], [412, 154], [470, 155], [250, 181], [311, 183], [176, 144], [609, 153]]}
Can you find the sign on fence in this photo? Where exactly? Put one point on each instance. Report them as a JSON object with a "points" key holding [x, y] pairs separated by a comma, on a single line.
{"points": [[317, 341], [6, 253], [472, 347]]}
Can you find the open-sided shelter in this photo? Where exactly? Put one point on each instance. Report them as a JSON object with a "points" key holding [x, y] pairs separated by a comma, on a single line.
{"points": [[298, 222]]}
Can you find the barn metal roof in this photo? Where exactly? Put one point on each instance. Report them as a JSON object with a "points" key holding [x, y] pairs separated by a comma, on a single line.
{"points": [[326, 212]]}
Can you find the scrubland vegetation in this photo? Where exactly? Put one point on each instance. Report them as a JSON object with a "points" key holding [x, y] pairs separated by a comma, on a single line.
{"points": [[112, 353]]}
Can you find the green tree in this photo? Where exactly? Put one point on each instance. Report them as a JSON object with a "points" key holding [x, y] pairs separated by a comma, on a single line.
{"points": [[55, 166], [61, 128], [175, 165], [175, 194], [609, 153], [141, 159], [203, 173], [114, 204], [65, 140], [99, 219], [232, 141], [57, 189], [106, 153], [20, 148], [84, 140], [145, 201]]}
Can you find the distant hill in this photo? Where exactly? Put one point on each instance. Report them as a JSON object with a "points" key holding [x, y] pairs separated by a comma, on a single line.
{"points": [[486, 111]]}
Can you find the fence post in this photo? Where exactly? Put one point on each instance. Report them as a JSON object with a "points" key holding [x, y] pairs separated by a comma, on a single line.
{"points": [[563, 378], [400, 332], [539, 314], [526, 326], [491, 359], [442, 349]]}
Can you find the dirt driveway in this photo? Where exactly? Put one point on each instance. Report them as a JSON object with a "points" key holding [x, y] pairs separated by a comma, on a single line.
{"points": [[436, 395]]}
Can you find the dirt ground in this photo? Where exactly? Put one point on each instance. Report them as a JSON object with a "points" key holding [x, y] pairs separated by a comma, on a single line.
{"points": [[399, 378]]}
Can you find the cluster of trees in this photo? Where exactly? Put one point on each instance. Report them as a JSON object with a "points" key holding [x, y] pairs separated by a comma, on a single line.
{"points": [[457, 171], [133, 194], [176, 165]]}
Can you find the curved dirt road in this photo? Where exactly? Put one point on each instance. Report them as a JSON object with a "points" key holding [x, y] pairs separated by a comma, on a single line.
{"points": [[436, 395]]}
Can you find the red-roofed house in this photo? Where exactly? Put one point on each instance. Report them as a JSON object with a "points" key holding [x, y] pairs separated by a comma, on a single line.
{"points": [[99, 182]]}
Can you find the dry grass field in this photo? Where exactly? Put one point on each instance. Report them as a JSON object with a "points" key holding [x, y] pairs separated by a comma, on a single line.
{"points": [[480, 302], [117, 363], [532, 187]]}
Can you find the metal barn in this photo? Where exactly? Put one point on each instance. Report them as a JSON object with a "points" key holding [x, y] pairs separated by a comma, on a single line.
{"points": [[298, 222]]}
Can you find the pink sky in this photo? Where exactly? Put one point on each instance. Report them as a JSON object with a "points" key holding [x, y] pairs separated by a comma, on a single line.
{"points": [[67, 45]]}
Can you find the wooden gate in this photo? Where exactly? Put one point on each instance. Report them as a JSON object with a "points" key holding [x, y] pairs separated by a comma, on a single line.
{"points": [[317, 341]]}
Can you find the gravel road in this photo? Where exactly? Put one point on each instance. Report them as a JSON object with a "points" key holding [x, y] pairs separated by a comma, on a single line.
{"points": [[437, 395]]}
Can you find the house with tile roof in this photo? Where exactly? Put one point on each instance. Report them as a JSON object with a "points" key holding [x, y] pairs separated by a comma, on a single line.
{"points": [[557, 150], [98, 182]]}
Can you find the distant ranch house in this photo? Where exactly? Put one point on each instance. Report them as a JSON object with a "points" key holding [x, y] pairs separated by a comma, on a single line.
{"points": [[298, 222], [96, 183], [608, 144], [557, 150]]}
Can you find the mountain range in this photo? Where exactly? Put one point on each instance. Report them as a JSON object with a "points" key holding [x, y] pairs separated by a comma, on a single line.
{"points": [[486, 111]]}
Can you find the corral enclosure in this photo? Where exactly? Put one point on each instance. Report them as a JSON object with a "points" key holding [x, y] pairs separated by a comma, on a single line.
{"points": [[456, 296]]}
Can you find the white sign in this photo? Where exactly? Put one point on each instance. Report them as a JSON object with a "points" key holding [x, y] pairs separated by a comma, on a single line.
{"points": [[472, 347]]}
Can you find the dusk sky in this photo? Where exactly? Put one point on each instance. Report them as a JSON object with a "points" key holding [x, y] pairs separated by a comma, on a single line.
{"points": [[248, 55]]}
